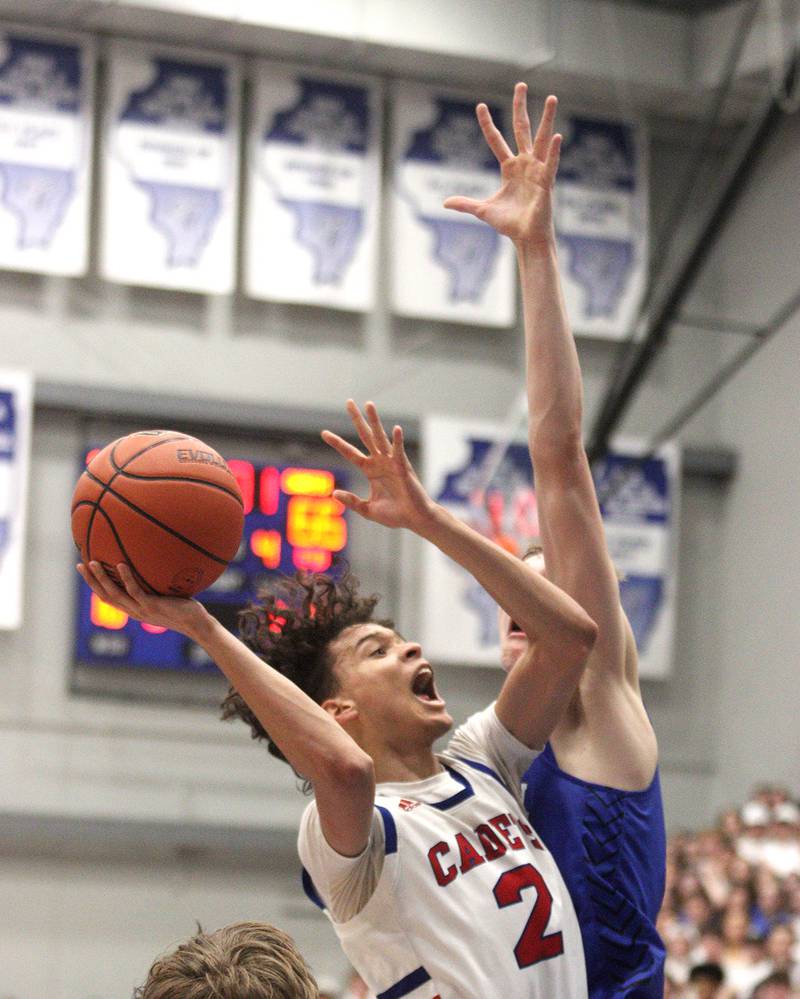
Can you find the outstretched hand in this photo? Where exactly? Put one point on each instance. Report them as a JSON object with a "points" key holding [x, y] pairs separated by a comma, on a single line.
{"points": [[522, 207], [396, 496], [176, 613]]}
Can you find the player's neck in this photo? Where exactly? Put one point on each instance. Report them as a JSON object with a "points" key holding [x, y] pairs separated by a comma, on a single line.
{"points": [[393, 766]]}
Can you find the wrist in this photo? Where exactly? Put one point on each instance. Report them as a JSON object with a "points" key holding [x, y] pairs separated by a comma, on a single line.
{"points": [[202, 626], [541, 247], [435, 521]]}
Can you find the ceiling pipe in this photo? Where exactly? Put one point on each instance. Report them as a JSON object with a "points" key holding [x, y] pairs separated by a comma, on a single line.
{"points": [[622, 393]]}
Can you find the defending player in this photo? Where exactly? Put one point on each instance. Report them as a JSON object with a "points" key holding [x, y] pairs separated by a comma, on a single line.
{"points": [[594, 793], [435, 883]]}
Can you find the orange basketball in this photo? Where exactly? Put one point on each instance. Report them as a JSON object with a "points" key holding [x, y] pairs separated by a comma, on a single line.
{"points": [[163, 502]]}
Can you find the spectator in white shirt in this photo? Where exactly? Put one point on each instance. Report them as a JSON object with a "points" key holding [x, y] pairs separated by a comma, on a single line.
{"points": [[780, 850]]}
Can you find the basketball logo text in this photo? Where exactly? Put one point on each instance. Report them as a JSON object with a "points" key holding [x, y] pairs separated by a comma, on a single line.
{"points": [[185, 454]]}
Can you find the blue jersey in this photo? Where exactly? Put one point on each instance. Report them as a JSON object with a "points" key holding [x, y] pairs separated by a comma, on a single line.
{"points": [[610, 847]]}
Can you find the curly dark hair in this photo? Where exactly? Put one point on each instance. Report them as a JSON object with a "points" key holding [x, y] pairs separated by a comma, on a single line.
{"points": [[291, 628]]}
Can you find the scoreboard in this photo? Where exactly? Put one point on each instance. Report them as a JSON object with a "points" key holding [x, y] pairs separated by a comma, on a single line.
{"points": [[291, 522]]}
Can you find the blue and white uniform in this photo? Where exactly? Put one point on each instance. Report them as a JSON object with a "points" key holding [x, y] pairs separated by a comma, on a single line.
{"points": [[610, 847], [455, 895]]}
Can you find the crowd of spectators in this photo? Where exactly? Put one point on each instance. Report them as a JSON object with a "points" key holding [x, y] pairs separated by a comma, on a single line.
{"points": [[731, 912]]}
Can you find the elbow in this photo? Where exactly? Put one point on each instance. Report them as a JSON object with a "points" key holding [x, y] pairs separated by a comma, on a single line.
{"points": [[352, 771], [556, 445], [581, 641]]}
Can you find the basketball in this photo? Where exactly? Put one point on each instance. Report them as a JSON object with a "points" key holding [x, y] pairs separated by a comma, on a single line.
{"points": [[165, 503]]}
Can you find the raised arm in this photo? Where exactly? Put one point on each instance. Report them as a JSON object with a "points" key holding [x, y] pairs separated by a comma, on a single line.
{"points": [[560, 630], [315, 744], [575, 550], [574, 543]]}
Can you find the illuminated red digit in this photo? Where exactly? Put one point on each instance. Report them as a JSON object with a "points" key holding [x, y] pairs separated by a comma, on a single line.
{"points": [[245, 475], [534, 945]]}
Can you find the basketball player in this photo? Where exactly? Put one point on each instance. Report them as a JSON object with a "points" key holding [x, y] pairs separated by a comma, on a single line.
{"points": [[434, 881], [593, 794], [255, 960]]}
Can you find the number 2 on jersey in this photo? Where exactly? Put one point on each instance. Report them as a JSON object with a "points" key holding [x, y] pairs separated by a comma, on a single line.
{"points": [[534, 945]]}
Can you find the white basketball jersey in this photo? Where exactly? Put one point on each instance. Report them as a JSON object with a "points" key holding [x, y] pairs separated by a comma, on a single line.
{"points": [[469, 904]]}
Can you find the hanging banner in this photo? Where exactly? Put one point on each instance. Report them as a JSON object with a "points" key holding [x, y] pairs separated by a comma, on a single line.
{"points": [[313, 188], [472, 470], [46, 98], [639, 500], [16, 404], [444, 264], [170, 167], [601, 215]]}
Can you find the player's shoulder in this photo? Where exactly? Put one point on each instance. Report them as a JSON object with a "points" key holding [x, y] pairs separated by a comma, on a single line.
{"points": [[474, 735], [309, 823], [484, 739]]}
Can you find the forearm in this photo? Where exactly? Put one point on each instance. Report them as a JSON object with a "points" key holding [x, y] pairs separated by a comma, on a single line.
{"points": [[311, 740], [541, 609], [553, 376]]}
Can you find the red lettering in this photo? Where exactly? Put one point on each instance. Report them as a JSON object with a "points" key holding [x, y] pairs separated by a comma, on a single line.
{"points": [[442, 877], [529, 832], [502, 824], [469, 855], [493, 848]]}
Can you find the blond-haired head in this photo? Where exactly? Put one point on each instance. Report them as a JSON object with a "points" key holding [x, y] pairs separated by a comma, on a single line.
{"points": [[255, 960]]}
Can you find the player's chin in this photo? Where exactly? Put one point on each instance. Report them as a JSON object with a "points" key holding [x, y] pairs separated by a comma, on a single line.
{"points": [[435, 714], [441, 723]]}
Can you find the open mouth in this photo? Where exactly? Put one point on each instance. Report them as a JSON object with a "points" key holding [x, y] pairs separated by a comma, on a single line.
{"points": [[423, 687], [514, 630]]}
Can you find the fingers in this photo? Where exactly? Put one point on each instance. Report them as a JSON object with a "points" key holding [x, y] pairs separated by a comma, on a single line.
{"points": [[492, 134], [522, 123], [378, 433], [398, 444], [362, 428], [346, 450], [351, 501], [104, 586], [135, 592], [370, 430], [553, 158], [468, 205], [544, 133]]}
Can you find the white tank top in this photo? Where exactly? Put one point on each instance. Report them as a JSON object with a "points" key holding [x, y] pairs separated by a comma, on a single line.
{"points": [[468, 904]]}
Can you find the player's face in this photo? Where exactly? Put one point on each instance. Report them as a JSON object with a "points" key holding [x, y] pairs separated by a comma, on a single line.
{"points": [[514, 641], [392, 686]]}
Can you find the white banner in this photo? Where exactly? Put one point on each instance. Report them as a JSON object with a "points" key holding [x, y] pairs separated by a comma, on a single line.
{"points": [[313, 188], [602, 223], [46, 98], [16, 405], [446, 265], [170, 169], [640, 502], [469, 468]]}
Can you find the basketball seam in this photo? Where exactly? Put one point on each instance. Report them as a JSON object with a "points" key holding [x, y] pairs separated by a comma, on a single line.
{"points": [[118, 469], [147, 516], [106, 488], [144, 450], [179, 478], [128, 559], [122, 469]]}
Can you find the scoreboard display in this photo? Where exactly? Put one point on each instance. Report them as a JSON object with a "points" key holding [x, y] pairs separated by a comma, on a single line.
{"points": [[291, 522]]}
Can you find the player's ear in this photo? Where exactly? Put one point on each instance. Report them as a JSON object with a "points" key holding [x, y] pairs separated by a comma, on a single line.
{"points": [[341, 708]]}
